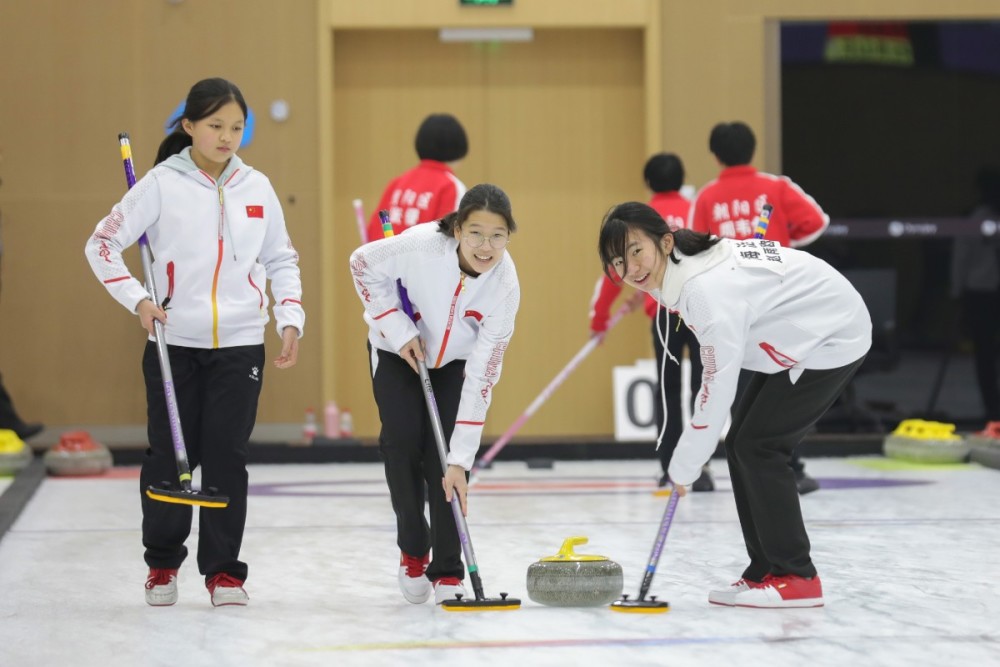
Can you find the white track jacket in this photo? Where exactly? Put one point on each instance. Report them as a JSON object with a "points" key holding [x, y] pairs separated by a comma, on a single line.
{"points": [[757, 305], [457, 317], [214, 246]]}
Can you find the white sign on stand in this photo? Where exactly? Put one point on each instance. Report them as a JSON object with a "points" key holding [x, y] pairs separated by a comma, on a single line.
{"points": [[634, 390]]}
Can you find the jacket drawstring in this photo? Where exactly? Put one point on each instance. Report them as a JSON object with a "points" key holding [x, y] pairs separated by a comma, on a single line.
{"points": [[663, 337]]}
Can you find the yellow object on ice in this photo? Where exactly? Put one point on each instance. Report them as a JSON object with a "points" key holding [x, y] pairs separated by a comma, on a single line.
{"points": [[630, 607], [9, 442], [566, 553], [920, 429], [182, 500]]}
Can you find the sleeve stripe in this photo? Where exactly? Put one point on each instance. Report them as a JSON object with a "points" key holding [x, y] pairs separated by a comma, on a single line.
{"points": [[116, 280]]}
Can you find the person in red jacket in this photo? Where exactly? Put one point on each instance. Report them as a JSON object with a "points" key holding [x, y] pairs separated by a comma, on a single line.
{"points": [[429, 191], [664, 175], [730, 205]]}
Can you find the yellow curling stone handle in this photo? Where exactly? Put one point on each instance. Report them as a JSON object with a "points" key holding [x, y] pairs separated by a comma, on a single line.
{"points": [[919, 429], [566, 553], [11, 444]]}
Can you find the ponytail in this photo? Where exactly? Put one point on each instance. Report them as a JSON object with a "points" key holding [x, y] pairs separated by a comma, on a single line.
{"points": [[691, 242], [174, 143], [448, 224]]}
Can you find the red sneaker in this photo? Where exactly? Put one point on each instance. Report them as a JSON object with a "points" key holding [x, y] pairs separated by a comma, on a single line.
{"points": [[776, 592]]}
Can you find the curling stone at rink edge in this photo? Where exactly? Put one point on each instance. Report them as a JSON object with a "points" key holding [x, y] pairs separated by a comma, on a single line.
{"points": [[14, 454], [920, 441], [77, 454]]}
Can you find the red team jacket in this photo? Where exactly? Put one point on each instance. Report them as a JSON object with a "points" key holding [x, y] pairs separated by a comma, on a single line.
{"points": [[674, 209], [729, 207], [425, 193]]}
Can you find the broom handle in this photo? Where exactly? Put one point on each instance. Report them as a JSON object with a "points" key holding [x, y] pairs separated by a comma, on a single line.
{"points": [[359, 217], [173, 414], [550, 389], [661, 538]]}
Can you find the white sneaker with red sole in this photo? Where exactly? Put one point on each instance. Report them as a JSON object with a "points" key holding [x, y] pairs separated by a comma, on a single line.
{"points": [[416, 587], [779, 592]]}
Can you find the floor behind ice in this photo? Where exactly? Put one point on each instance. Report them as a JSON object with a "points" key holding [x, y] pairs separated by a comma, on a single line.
{"points": [[909, 557]]}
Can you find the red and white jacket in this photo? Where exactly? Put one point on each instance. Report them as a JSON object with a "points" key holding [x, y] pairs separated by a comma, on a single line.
{"points": [[757, 305], [214, 244], [674, 208], [425, 193], [457, 317], [730, 205]]}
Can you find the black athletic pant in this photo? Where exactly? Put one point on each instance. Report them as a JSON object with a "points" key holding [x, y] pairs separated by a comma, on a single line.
{"points": [[679, 338], [770, 420], [408, 449], [795, 461], [217, 393]]}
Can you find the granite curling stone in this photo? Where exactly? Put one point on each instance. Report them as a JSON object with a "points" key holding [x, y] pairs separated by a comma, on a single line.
{"points": [[989, 437], [920, 441], [569, 579], [14, 454], [77, 454]]}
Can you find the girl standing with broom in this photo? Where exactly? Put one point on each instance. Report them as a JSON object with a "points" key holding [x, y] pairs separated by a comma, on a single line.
{"points": [[216, 229]]}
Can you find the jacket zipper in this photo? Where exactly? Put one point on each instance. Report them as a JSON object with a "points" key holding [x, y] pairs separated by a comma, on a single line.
{"points": [[215, 278], [451, 320]]}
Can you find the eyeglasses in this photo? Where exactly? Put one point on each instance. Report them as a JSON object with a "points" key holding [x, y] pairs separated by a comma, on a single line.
{"points": [[497, 241]]}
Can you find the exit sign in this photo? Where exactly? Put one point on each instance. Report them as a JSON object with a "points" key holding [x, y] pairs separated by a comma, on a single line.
{"points": [[486, 3]]}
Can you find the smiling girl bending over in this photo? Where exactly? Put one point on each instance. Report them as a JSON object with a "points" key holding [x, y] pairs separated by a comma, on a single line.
{"points": [[803, 331]]}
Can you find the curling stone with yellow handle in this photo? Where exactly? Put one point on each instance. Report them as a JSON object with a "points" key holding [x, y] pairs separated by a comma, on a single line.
{"points": [[14, 454], [921, 441], [569, 579]]}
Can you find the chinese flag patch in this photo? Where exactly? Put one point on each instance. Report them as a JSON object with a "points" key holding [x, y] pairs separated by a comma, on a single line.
{"points": [[255, 211]]}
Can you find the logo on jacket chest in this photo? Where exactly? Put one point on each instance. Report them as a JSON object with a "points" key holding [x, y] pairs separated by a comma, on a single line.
{"points": [[255, 211]]}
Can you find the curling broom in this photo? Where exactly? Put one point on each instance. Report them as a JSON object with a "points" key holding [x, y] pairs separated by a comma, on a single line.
{"points": [[185, 495]]}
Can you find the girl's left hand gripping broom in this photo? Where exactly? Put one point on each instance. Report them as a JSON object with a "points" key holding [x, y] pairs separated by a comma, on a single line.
{"points": [[480, 602], [185, 495]]}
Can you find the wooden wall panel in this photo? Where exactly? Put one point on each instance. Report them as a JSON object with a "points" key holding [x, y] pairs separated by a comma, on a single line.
{"points": [[77, 74]]}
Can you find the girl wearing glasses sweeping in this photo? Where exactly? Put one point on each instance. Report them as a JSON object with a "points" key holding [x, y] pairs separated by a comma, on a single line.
{"points": [[465, 295], [216, 230], [803, 331]]}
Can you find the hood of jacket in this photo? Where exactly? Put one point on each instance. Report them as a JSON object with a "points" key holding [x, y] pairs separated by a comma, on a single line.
{"points": [[689, 266], [183, 163]]}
